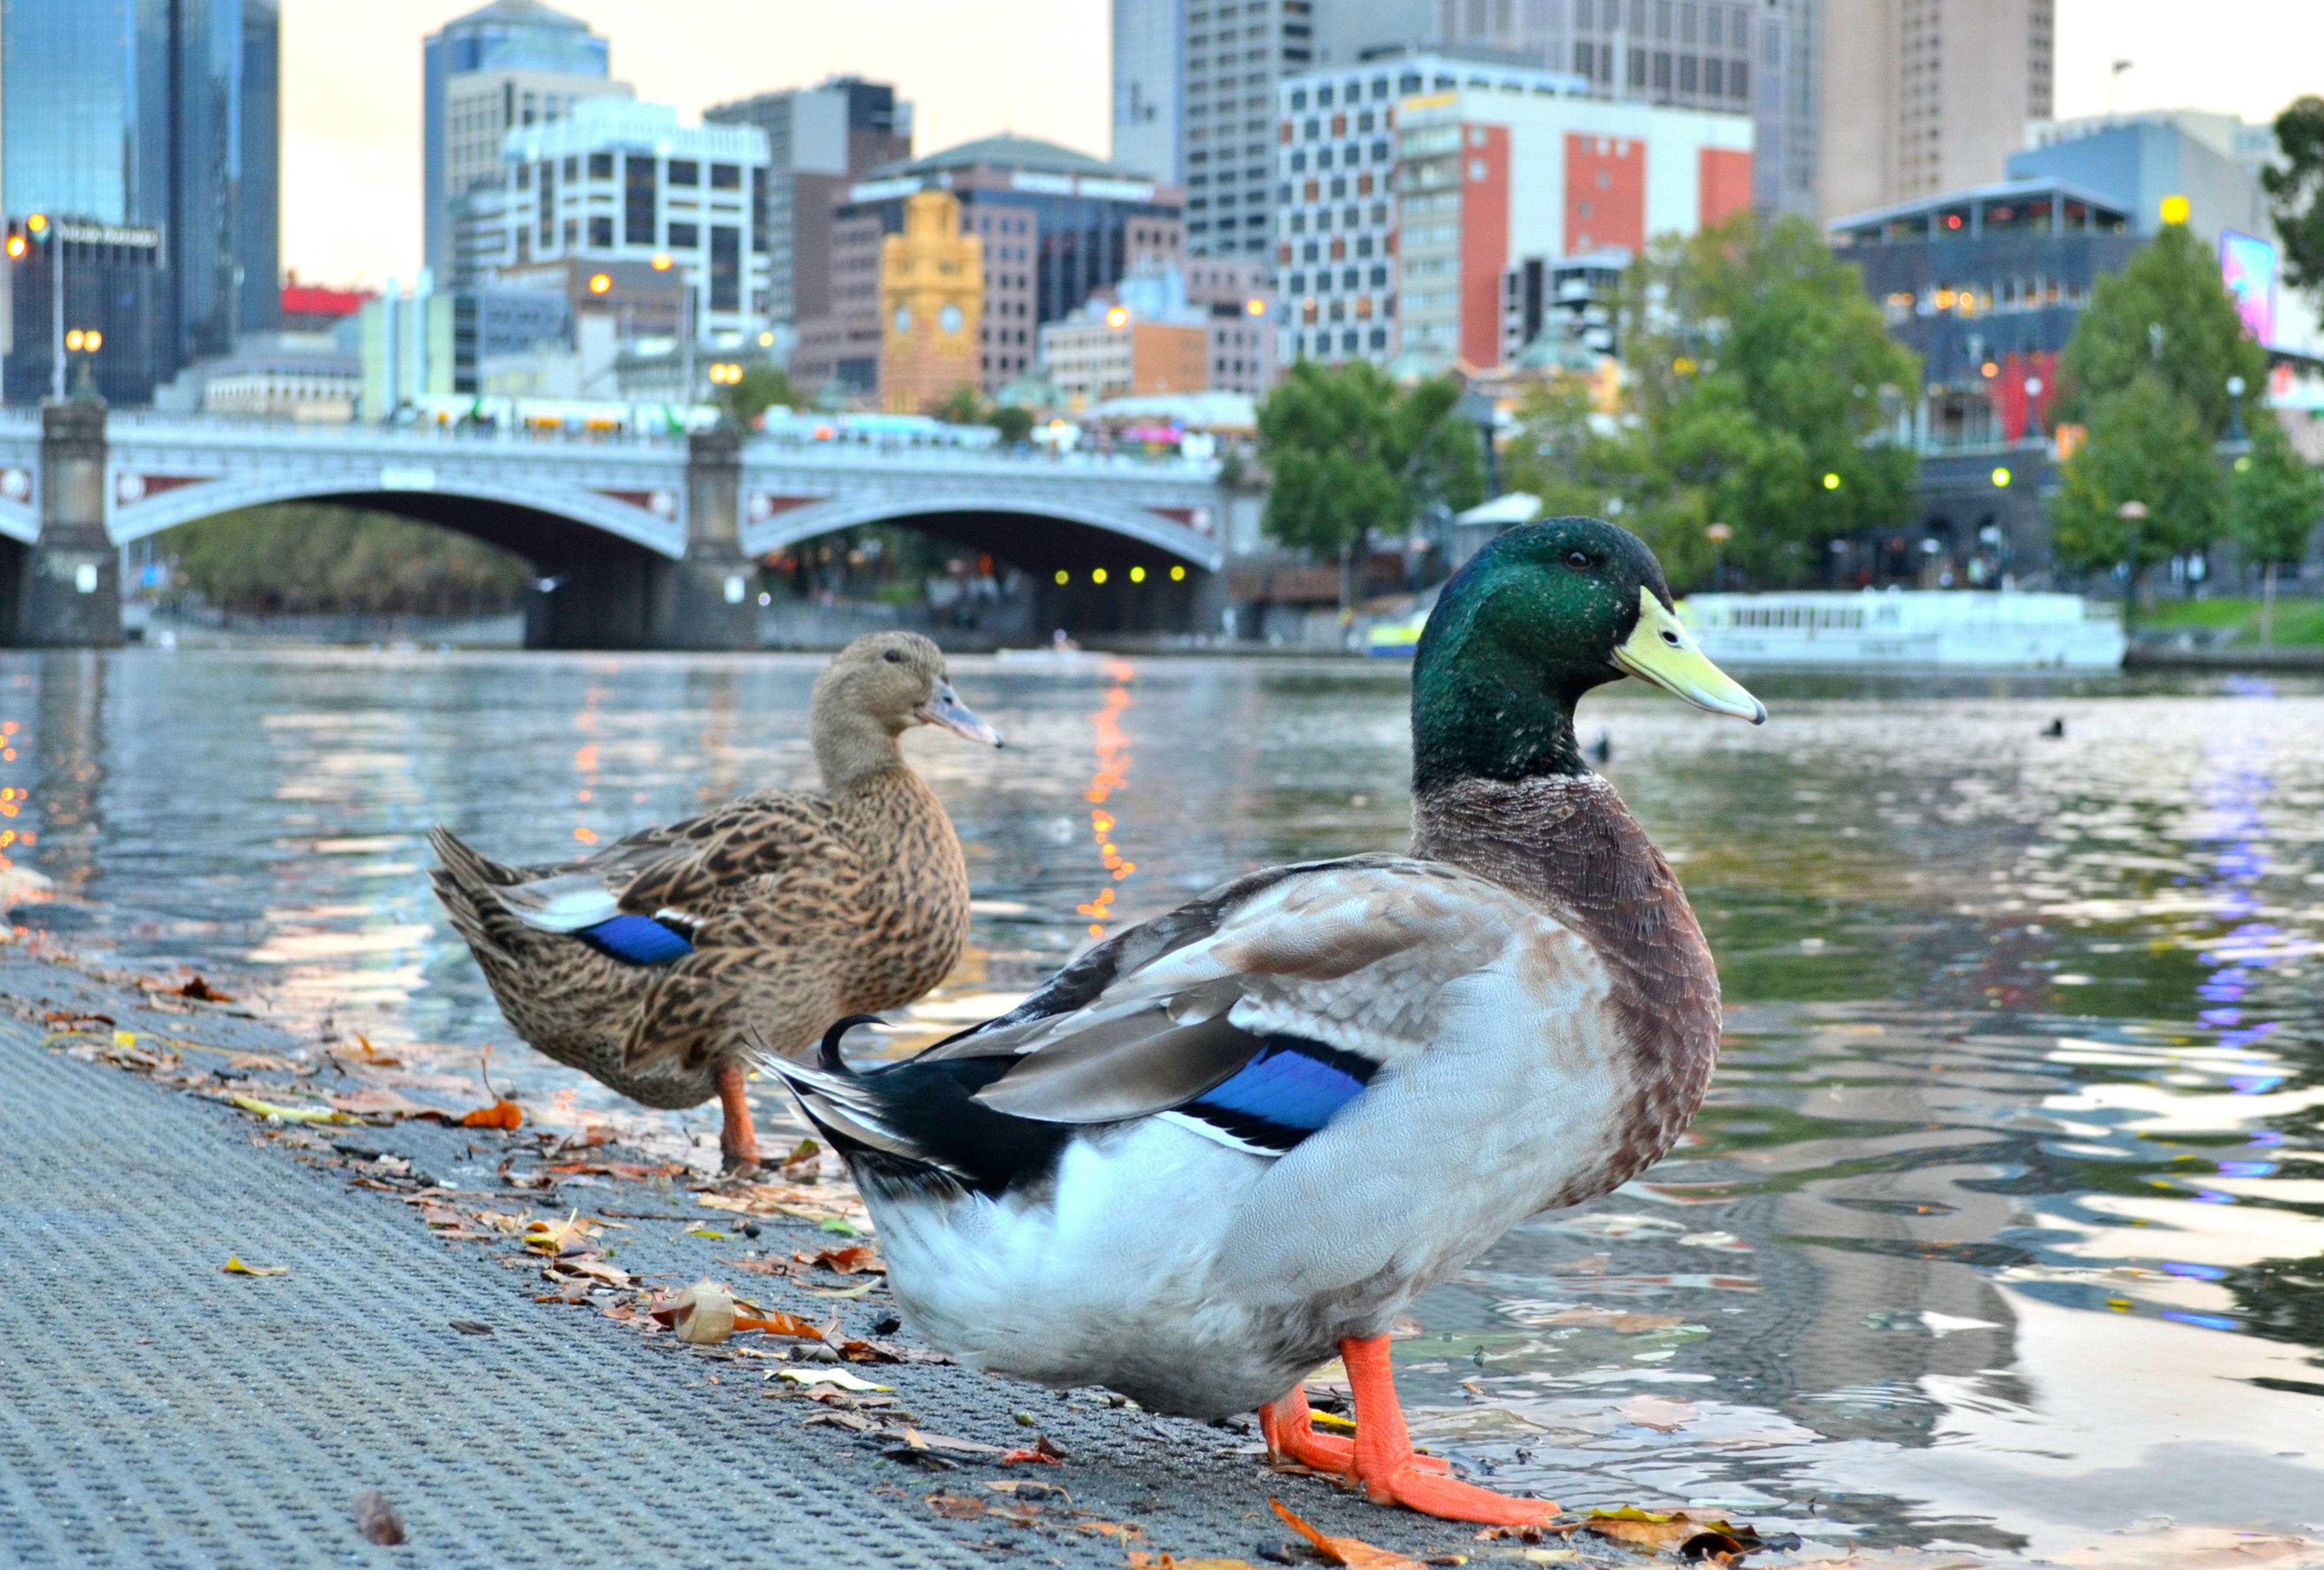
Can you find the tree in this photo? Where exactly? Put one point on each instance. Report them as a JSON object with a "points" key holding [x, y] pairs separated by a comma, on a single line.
{"points": [[305, 557], [1759, 376], [2146, 444], [2274, 502], [2295, 191], [761, 388], [963, 405], [2168, 315], [1348, 452]]}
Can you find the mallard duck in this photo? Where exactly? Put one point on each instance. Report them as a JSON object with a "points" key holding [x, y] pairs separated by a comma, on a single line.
{"points": [[1239, 1138], [646, 964]]}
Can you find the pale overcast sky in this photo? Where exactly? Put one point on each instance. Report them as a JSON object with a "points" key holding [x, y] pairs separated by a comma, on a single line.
{"points": [[351, 81]]}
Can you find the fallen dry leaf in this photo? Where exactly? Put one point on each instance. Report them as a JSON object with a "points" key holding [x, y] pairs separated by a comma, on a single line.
{"points": [[377, 1519], [501, 1114], [956, 1507], [1352, 1551], [291, 1115], [554, 1237], [1141, 1560], [859, 1260], [235, 1267], [1660, 1413], [201, 992], [1646, 1529], [1616, 1320], [831, 1376], [775, 1321]]}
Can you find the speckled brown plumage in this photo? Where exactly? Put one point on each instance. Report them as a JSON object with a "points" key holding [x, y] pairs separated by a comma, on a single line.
{"points": [[1567, 844], [803, 905]]}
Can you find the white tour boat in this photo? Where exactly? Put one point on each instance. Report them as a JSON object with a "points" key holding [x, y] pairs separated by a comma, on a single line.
{"points": [[1966, 627]]}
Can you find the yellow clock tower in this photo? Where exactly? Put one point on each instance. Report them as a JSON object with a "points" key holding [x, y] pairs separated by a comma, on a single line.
{"points": [[931, 305]]}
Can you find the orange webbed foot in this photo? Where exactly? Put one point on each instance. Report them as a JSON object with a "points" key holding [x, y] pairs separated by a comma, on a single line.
{"points": [[738, 1138], [1389, 1472], [1288, 1426]]}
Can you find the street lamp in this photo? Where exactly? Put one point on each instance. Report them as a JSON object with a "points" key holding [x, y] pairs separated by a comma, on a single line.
{"points": [[2237, 439], [2132, 513]]}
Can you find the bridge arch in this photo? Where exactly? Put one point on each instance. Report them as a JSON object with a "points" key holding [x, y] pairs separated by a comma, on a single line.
{"points": [[1038, 537], [550, 527]]}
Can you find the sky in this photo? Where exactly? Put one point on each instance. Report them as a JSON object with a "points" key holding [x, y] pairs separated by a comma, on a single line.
{"points": [[1039, 67]]}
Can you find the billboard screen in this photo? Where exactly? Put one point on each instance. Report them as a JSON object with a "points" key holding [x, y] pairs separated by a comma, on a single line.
{"points": [[2247, 266]]}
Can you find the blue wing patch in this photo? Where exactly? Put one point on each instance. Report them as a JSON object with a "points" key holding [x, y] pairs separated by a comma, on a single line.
{"points": [[637, 941], [1285, 1093]]}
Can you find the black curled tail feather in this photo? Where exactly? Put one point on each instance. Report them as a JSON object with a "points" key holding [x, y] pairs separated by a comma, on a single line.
{"points": [[829, 1055]]}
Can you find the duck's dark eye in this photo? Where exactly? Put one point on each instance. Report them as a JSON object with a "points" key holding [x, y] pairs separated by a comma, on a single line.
{"points": [[1670, 637], [1580, 560], [895, 656]]}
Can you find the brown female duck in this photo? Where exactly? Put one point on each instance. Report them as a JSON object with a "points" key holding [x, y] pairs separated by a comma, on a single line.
{"points": [[652, 964]]}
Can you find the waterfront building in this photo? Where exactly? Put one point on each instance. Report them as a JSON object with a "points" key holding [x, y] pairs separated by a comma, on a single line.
{"points": [[1921, 96], [121, 116], [1054, 227], [1985, 285], [618, 182], [1245, 319], [1150, 85], [931, 305], [511, 64], [820, 141]]}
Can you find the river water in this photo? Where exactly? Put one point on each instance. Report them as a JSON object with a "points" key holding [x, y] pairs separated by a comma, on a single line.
{"points": [[2003, 1231]]}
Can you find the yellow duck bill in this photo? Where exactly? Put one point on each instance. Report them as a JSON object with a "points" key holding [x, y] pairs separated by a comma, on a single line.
{"points": [[1661, 651]]}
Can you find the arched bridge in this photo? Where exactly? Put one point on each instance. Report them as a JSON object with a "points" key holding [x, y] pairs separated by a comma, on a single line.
{"points": [[649, 542]]}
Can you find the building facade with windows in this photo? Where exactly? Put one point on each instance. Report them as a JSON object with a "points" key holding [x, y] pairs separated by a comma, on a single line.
{"points": [[931, 305], [1055, 226], [1985, 285], [820, 141], [1149, 86], [1335, 190], [508, 65], [1487, 178], [618, 182]]}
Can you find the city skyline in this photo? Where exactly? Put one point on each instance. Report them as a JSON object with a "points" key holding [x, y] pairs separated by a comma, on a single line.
{"points": [[352, 84]]}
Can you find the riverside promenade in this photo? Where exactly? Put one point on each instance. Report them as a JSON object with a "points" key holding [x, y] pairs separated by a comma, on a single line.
{"points": [[157, 1411]]}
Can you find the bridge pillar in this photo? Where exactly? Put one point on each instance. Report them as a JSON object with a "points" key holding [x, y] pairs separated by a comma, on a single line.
{"points": [[709, 599], [67, 589]]}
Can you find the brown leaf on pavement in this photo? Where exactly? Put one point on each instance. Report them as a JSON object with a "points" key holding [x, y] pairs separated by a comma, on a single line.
{"points": [[1351, 1551], [501, 1114], [862, 1259], [377, 1519], [201, 992], [235, 1267], [704, 1313], [1648, 1530]]}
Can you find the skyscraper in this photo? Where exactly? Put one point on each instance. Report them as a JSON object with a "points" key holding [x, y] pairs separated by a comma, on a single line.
{"points": [[511, 64], [165, 116], [1918, 96], [1234, 57], [820, 141], [1150, 85]]}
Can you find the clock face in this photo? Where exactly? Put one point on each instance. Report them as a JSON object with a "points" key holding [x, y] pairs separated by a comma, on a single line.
{"points": [[949, 319], [903, 320]]}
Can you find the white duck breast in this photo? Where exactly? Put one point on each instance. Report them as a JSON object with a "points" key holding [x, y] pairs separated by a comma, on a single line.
{"points": [[1228, 1139]]}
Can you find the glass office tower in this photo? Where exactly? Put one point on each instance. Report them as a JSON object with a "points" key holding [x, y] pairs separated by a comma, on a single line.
{"points": [[160, 115]]}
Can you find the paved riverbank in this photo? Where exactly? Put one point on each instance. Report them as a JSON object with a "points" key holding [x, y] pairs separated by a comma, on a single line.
{"points": [[155, 1410]]}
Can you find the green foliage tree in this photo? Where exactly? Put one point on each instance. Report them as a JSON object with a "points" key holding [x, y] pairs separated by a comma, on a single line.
{"points": [[1347, 451], [963, 405], [302, 557], [761, 388], [2146, 444], [2166, 315], [2295, 191], [2273, 502], [1760, 372]]}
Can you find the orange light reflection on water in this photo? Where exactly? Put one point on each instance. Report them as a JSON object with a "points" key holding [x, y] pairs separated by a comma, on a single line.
{"points": [[1112, 774]]}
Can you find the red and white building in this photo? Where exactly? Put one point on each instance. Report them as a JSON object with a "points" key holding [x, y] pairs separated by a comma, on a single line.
{"points": [[1410, 185]]}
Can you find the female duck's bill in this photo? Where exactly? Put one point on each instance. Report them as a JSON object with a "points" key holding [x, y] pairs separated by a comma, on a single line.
{"points": [[945, 708], [1661, 651]]}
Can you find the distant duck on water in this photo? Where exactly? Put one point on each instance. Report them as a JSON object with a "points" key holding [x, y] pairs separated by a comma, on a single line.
{"points": [[648, 964], [1230, 1142]]}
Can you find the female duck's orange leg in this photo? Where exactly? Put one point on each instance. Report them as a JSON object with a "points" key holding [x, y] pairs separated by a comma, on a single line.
{"points": [[1290, 1429], [738, 1140], [1384, 1464]]}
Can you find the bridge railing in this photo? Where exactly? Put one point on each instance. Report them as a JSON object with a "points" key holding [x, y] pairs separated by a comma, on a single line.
{"points": [[935, 454], [158, 424]]}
